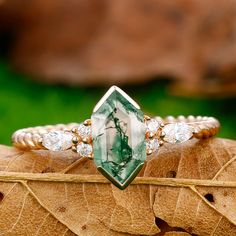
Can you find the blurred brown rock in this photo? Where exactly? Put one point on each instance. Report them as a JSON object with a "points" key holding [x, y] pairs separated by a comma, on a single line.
{"points": [[125, 41]]}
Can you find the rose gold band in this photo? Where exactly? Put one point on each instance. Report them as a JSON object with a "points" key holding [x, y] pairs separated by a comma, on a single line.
{"points": [[31, 138], [204, 126]]}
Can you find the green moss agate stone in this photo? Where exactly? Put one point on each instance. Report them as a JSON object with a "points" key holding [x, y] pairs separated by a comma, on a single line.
{"points": [[118, 132]]}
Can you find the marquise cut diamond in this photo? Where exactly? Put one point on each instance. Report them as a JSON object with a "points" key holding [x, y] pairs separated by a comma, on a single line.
{"points": [[57, 140], [177, 132]]}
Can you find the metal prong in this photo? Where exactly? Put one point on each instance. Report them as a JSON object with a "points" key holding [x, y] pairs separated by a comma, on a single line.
{"points": [[146, 118], [162, 135], [150, 135], [74, 130], [74, 149], [87, 122], [75, 140], [85, 140], [90, 156], [40, 141], [149, 152]]}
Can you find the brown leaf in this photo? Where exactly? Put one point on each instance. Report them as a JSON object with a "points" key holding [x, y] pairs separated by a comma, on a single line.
{"points": [[71, 208]]}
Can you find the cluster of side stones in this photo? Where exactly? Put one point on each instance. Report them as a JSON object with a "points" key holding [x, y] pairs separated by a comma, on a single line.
{"points": [[152, 133], [60, 140], [84, 134], [118, 136], [157, 133]]}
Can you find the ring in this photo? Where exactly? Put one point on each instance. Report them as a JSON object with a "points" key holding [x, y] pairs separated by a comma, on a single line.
{"points": [[118, 137]]}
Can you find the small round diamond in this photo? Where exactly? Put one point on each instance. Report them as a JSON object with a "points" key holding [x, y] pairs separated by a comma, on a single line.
{"points": [[152, 145], [152, 126], [84, 131], [57, 140], [84, 149]]}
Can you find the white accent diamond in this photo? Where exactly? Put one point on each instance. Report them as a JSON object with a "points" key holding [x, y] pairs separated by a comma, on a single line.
{"points": [[177, 132], [57, 140], [153, 145], [152, 126], [84, 131], [84, 149]]}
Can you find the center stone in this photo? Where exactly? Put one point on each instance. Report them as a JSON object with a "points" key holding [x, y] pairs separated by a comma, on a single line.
{"points": [[118, 132]]}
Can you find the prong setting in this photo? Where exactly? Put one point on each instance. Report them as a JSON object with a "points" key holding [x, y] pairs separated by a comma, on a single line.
{"points": [[162, 135], [74, 130], [146, 118], [161, 142], [74, 149], [87, 122], [153, 134], [82, 140], [75, 140], [40, 141]]}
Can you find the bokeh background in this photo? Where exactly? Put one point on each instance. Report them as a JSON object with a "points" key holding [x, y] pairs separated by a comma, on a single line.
{"points": [[57, 58]]}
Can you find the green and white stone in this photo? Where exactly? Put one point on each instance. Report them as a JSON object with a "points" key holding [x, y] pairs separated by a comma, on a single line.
{"points": [[118, 132]]}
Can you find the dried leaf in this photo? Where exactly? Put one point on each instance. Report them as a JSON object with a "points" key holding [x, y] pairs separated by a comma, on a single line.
{"points": [[68, 208]]}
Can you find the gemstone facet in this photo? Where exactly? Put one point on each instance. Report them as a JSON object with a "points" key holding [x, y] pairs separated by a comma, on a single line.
{"points": [[57, 140], [152, 126], [84, 131], [177, 132], [84, 149], [118, 132], [152, 145]]}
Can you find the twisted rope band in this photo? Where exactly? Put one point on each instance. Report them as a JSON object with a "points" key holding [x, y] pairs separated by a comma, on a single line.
{"points": [[31, 138]]}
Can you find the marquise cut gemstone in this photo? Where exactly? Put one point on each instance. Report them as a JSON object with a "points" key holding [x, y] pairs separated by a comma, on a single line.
{"points": [[177, 132], [118, 132], [57, 140]]}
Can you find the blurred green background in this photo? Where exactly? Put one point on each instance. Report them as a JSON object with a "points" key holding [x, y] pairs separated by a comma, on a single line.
{"points": [[25, 103]]}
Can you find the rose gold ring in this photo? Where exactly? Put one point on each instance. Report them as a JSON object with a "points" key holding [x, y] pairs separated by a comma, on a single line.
{"points": [[118, 136]]}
